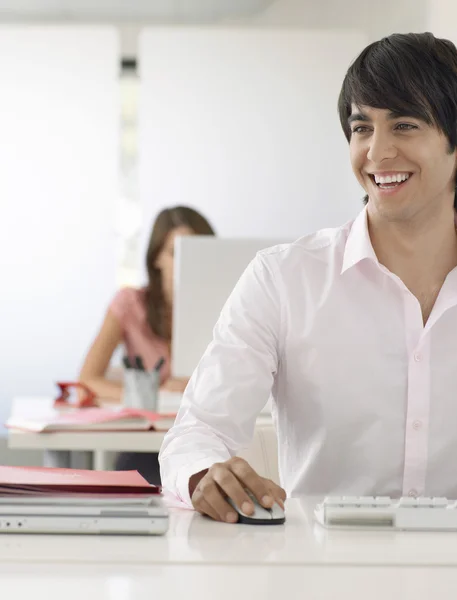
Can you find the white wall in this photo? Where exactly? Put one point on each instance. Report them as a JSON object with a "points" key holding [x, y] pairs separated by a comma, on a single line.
{"points": [[59, 157], [441, 16], [243, 125]]}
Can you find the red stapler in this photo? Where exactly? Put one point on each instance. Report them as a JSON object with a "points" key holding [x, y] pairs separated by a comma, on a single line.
{"points": [[64, 400]]}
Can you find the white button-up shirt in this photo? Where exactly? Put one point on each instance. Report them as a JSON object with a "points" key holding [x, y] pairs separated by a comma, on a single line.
{"points": [[364, 396]]}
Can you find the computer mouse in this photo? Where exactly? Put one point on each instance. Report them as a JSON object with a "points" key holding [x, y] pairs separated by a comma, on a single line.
{"points": [[261, 516]]}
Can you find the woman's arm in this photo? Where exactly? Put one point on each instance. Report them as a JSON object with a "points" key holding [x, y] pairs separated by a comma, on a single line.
{"points": [[175, 384], [98, 358]]}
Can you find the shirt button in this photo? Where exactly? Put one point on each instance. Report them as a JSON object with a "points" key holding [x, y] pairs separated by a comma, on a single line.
{"points": [[412, 493], [417, 425], [418, 357]]}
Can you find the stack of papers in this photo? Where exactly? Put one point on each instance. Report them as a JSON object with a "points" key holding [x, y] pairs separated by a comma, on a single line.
{"points": [[24, 483], [92, 419]]}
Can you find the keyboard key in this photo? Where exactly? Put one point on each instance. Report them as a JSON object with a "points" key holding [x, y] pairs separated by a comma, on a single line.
{"points": [[349, 500], [424, 502], [440, 502], [407, 501], [383, 501], [366, 501], [333, 501]]}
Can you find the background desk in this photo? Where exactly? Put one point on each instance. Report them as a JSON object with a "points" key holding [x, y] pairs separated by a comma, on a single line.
{"points": [[199, 558], [100, 443], [262, 453]]}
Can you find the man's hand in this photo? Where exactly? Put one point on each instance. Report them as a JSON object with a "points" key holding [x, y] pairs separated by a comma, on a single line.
{"points": [[210, 489]]}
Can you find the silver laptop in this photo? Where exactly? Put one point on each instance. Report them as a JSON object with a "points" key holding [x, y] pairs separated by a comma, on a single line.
{"points": [[145, 515]]}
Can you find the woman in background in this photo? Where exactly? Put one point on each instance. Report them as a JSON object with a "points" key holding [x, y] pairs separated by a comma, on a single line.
{"points": [[141, 319]]}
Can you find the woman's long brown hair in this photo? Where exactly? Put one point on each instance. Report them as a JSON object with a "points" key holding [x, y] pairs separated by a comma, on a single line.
{"points": [[167, 220]]}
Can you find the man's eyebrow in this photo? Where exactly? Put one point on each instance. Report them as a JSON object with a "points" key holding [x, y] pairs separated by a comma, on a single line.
{"points": [[392, 115], [358, 116]]}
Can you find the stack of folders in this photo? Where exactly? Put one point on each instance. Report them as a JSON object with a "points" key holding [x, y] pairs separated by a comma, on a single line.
{"points": [[41, 500]]}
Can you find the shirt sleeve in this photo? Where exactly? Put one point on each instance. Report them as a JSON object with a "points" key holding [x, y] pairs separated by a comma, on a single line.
{"points": [[231, 384]]}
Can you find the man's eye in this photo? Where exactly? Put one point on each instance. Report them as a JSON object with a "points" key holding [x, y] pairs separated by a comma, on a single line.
{"points": [[360, 129], [405, 126]]}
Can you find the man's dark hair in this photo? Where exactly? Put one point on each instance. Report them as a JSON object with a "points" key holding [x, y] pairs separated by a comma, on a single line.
{"points": [[412, 75]]}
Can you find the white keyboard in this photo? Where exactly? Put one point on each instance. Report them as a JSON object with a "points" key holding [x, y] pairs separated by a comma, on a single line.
{"points": [[365, 512]]}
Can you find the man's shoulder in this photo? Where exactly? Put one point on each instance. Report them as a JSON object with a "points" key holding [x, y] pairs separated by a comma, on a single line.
{"points": [[320, 245]]}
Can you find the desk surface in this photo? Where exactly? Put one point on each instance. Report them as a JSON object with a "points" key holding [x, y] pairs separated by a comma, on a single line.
{"points": [[199, 557], [109, 441], [196, 582], [193, 539]]}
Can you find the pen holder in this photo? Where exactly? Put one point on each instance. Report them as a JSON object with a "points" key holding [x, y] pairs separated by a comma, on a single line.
{"points": [[141, 389]]}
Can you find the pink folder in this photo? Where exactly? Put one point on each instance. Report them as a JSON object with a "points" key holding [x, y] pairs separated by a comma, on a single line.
{"points": [[39, 481], [93, 419]]}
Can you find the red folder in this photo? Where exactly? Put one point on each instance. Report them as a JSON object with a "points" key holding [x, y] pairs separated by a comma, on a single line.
{"points": [[38, 481]]}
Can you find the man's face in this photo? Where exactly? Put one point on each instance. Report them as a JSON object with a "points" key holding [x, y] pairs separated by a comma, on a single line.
{"points": [[403, 163]]}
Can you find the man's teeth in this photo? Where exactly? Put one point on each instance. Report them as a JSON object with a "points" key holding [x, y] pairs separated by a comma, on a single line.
{"points": [[398, 178]]}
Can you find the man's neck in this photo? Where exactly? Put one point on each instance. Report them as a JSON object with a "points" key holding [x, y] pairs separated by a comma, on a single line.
{"points": [[421, 251]]}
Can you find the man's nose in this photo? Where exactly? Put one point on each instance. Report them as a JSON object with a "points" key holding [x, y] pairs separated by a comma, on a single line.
{"points": [[381, 147]]}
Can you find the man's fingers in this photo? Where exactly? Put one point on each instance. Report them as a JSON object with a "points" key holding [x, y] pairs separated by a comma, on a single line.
{"points": [[205, 509], [211, 493], [232, 487], [202, 506], [253, 482], [277, 492]]}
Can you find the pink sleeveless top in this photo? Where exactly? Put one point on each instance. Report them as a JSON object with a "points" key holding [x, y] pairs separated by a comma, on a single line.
{"points": [[129, 307]]}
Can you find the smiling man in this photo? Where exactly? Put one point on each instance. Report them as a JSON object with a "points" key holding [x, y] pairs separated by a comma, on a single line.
{"points": [[353, 330]]}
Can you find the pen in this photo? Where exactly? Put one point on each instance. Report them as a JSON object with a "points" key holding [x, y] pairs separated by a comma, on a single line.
{"points": [[159, 364], [139, 363]]}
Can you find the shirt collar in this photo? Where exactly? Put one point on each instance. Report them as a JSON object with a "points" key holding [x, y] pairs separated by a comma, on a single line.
{"points": [[358, 244]]}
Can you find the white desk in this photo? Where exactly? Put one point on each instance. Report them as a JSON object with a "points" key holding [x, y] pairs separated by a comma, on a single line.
{"points": [[99, 443], [194, 582], [199, 558]]}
